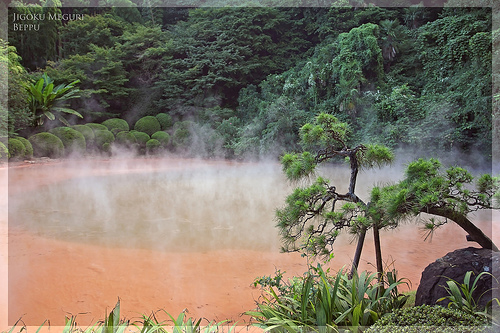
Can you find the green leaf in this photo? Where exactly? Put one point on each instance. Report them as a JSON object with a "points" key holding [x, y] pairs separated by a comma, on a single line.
{"points": [[67, 110], [48, 91], [49, 115], [39, 85]]}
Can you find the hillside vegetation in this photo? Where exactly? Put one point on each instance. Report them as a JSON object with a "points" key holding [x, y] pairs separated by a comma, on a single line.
{"points": [[238, 81]]}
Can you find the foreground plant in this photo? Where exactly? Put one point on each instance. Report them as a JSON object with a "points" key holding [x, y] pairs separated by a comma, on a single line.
{"points": [[47, 100], [323, 303], [460, 295], [426, 318], [112, 323], [181, 324]]}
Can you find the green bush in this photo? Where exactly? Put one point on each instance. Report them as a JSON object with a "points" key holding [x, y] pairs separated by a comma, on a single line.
{"points": [[46, 144], [103, 140], [141, 137], [319, 299], [87, 133], [73, 140], [95, 126], [29, 148], [152, 145], [4, 152], [162, 137], [106, 147], [125, 138], [115, 131], [148, 125], [116, 124], [182, 134], [17, 150], [426, 318], [165, 121]]}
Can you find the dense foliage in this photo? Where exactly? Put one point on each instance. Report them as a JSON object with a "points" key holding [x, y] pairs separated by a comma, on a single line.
{"points": [[17, 150], [324, 301], [426, 318], [450, 194], [247, 78], [46, 145], [313, 215], [73, 140]]}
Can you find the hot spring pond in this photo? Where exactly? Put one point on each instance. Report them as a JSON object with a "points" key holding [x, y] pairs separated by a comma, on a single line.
{"points": [[174, 210], [169, 234]]}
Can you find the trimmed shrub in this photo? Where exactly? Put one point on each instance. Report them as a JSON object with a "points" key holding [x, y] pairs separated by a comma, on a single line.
{"points": [[4, 152], [141, 137], [182, 137], [46, 144], [16, 149], [125, 138], [29, 148], [115, 131], [87, 133], [95, 126], [426, 318], [73, 141], [116, 125], [106, 147], [162, 137], [148, 125], [165, 121], [152, 146], [103, 140]]}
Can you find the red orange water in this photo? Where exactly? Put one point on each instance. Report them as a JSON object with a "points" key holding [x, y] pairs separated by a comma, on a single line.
{"points": [[51, 278]]}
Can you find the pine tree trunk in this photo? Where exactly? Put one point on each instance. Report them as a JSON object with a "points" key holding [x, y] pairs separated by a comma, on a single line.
{"points": [[378, 257], [357, 254], [475, 233]]}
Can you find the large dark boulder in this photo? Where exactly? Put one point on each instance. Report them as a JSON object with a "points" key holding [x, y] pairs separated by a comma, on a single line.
{"points": [[455, 265]]}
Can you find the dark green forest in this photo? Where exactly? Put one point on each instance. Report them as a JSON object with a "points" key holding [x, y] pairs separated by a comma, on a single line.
{"points": [[240, 81]]}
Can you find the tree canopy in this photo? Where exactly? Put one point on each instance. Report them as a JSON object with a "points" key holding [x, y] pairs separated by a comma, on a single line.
{"points": [[314, 215], [416, 78], [317, 210], [451, 194]]}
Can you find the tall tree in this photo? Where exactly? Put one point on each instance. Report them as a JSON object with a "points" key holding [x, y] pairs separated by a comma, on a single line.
{"points": [[451, 194], [217, 51], [40, 45], [313, 216], [101, 30], [455, 51], [392, 34], [13, 82], [102, 81]]}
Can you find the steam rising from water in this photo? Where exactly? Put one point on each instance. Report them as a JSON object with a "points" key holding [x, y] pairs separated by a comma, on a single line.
{"points": [[191, 209], [170, 206], [188, 206]]}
